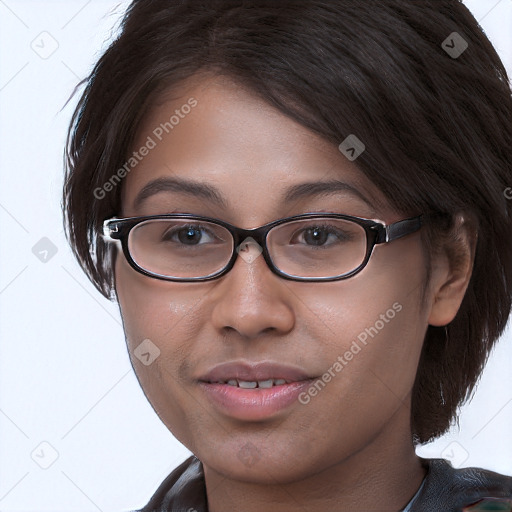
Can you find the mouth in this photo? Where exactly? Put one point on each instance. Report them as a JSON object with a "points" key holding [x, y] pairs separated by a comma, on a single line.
{"points": [[253, 384], [251, 375], [253, 392]]}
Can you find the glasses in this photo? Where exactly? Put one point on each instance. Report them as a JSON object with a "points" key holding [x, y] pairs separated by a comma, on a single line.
{"points": [[307, 247]]}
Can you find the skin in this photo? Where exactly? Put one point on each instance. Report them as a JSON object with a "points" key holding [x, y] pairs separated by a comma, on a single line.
{"points": [[350, 447]]}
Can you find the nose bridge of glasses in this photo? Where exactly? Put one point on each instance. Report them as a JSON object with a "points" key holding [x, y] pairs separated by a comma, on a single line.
{"points": [[257, 235]]}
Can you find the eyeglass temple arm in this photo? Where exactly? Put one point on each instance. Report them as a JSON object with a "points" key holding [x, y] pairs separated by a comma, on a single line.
{"points": [[110, 230], [400, 229]]}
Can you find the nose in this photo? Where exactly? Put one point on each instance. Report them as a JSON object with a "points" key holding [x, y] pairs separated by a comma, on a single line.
{"points": [[251, 299]]}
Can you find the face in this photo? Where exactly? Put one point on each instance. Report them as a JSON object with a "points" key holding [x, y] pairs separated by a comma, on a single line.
{"points": [[358, 340]]}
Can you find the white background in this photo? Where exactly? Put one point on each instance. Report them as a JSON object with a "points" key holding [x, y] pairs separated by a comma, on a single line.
{"points": [[65, 376]]}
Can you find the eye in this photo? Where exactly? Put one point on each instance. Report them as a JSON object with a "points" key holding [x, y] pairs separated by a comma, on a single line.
{"points": [[323, 235], [188, 235]]}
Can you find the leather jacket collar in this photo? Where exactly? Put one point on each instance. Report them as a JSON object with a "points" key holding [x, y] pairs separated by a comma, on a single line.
{"points": [[445, 489]]}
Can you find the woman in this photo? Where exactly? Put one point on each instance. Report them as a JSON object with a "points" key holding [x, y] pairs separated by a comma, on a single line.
{"points": [[301, 208]]}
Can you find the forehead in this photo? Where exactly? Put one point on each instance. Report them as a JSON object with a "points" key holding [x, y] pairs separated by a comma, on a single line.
{"points": [[210, 129]]}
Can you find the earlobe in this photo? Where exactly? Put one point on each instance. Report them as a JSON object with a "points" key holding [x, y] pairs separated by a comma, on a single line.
{"points": [[452, 271]]}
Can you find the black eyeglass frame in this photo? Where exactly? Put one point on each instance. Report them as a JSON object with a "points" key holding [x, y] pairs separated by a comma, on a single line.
{"points": [[376, 233]]}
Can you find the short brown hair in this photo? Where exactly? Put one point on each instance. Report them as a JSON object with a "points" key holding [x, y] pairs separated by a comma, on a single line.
{"points": [[436, 127]]}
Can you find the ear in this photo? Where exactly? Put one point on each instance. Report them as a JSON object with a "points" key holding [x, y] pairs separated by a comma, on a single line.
{"points": [[451, 271]]}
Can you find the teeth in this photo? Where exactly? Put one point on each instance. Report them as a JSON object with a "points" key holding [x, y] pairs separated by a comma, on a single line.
{"points": [[265, 384], [247, 384]]}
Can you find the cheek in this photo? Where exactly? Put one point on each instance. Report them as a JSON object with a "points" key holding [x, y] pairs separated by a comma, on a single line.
{"points": [[152, 308], [151, 311], [372, 326]]}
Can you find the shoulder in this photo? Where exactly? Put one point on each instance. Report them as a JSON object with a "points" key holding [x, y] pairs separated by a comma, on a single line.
{"points": [[463, 490], [183, 490]]}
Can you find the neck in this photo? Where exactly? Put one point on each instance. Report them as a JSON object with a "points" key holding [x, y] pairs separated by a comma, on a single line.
{"points": [[384, 475]]}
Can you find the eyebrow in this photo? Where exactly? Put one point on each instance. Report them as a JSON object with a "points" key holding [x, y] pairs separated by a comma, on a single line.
{"points": [[212, 194]]}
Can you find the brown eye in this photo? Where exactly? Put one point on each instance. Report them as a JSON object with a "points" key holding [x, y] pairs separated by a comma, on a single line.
{"points": [[324, 235], [187, 235]]}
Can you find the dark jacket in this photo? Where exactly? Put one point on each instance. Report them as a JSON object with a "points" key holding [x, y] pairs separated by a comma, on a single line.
{"points": [[445, 489]]}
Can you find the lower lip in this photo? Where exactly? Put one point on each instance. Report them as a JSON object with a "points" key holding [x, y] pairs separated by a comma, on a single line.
{"points": [[254, 404]]}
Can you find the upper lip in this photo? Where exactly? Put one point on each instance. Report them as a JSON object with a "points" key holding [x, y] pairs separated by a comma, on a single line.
{"points": [[254, 372]]}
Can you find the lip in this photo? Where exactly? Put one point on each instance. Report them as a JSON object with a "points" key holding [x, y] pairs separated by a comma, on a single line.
{"points": [[255, 371], [256, 404]]}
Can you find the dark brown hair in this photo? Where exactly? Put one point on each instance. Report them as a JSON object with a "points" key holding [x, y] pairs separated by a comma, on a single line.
{"points": [[437, 131]]}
